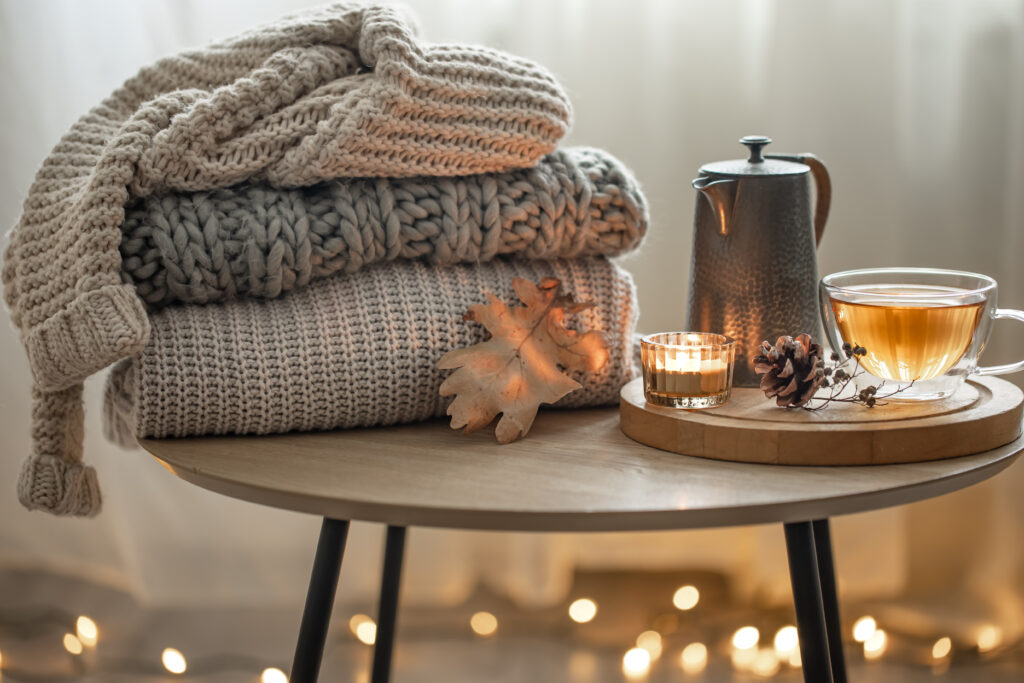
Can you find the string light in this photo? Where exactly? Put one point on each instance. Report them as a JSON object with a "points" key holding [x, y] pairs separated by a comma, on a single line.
{"points": [[750, 653], [273, 675], [746, 638], [366, 632], [650, 641], [583, 610], [942, 647], [87, 632], [72, 644], [786, 641], [874, 647], [483, 624], [694, 658], [173, 661], [363, 628], [863, 629], [686, 597], [989, 638], [356, 620], [636, 663]]}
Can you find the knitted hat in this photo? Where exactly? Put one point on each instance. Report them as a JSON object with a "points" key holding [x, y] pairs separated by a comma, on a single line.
{"points": [[340, 91]]}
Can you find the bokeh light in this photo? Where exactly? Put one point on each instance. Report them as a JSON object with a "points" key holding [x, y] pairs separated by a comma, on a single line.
{"points": [[72, 644], [686, 597], [273, 675], [87, 631], [942, 647], [863, 629], [483, 624], [173, 661], [746, 638], [583, 610], [356, 620], [650, 641], [874, 647], [366, 632], [989, 638], [786, 640], [694, 658], [636, 663]]}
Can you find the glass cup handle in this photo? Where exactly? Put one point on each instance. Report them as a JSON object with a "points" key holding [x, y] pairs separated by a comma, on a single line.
{"points": [[1009, 367]]}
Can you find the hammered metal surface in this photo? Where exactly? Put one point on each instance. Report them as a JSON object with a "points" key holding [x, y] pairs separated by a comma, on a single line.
{"points": [[758, 281]]}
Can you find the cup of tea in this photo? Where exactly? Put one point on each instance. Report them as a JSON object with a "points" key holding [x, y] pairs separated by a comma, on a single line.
{"points": [[923, 328]]}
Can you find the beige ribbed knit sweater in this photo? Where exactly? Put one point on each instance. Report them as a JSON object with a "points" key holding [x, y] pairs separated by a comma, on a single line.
{"points": [[340, 91], [354, 350]]}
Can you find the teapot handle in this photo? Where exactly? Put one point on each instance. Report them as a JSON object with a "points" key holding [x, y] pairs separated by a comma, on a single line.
{"points": [[821, 180]]}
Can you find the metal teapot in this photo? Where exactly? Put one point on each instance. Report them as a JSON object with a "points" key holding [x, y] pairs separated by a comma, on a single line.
{"points": [[754, 274]]}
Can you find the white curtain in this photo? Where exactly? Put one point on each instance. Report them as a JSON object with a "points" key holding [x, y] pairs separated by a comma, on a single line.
{"points": [[917, 107]]}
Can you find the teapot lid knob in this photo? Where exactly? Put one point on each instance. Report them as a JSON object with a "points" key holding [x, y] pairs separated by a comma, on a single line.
{"points": [[755, 143]]}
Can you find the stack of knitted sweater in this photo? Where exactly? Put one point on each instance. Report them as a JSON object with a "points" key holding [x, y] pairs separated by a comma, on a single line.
{"points": [[282, 232]]}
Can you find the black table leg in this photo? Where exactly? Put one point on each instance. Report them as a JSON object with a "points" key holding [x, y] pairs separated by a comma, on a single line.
{"points": [[316, 617], [830, 597], [810, 614], [387, 613]]}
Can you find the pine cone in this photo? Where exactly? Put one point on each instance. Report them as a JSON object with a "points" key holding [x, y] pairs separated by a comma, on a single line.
{"points": [[792, 369]]}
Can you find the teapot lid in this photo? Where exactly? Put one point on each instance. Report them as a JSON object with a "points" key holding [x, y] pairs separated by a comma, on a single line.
{"points": [[756, 164]]}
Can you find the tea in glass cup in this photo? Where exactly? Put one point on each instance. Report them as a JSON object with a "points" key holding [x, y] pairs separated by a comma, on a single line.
{"points": [[919, 325]]}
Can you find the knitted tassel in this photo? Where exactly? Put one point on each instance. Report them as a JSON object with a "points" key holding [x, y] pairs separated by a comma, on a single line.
{"points": [[48, 483], [53, 478]]}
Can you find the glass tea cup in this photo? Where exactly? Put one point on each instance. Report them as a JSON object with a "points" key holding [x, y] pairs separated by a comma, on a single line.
{"points": [[923, 326]]}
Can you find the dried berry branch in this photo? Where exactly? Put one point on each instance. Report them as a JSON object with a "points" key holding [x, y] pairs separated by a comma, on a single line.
{"points": [[793, 372], [838, 379]]}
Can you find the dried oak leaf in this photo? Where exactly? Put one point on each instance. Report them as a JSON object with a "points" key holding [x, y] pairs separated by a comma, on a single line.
{"points": [[520, 366]]}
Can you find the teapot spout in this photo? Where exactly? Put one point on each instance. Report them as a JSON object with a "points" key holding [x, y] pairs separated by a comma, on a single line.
{"points": [[719, 194]]}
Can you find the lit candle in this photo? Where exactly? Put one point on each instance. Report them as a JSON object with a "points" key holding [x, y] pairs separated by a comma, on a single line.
{"points": [[686, 373], [687, 369]]}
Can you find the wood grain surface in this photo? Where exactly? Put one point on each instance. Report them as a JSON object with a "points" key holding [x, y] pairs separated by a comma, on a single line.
{"points": [[574, 471], [985, 414]]}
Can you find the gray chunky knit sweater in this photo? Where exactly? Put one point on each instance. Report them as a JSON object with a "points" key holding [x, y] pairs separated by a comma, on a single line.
{"points": [[348, 351], [257, 240], [345, 90]]}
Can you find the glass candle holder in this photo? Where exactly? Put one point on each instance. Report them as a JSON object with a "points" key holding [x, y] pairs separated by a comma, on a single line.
{"points": [[687, 369]]}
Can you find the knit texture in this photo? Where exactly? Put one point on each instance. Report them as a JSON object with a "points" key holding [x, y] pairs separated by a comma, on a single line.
{"points": [[345, 90], [259, 241], [348, 351]]}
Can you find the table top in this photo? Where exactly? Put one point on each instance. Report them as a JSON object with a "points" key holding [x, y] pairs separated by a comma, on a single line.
{"points": [[574, 471]]}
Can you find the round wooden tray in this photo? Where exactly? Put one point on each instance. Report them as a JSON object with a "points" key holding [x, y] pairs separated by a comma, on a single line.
{"points": [[984, 414]]}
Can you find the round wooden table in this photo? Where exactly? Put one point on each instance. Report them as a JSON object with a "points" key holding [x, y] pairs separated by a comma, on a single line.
{"points": [[575, 471]]}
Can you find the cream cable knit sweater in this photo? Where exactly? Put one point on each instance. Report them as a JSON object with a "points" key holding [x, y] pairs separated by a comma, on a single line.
{"points": [[340, 91]]}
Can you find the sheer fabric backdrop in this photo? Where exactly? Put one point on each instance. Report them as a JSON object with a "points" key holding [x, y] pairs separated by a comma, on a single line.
{"points": [[916, 106]]}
